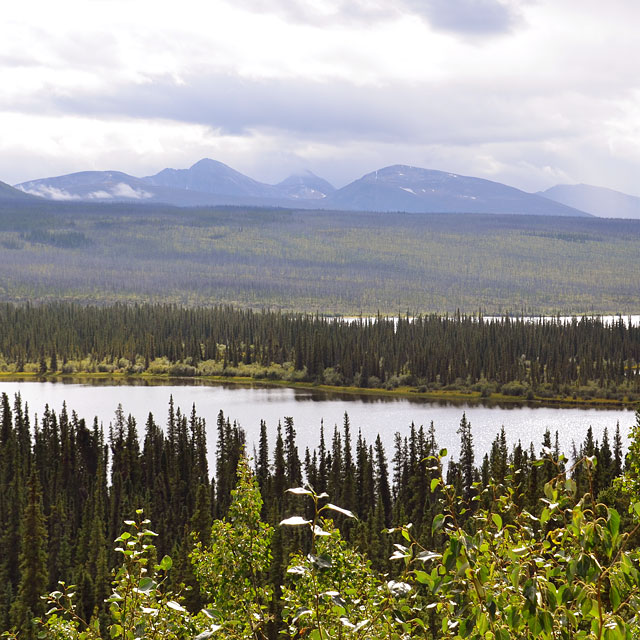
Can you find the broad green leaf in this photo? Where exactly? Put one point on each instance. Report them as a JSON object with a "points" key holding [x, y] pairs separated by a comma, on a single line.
{"points": [[613, 522], [422, 577], [146, 585], [614, 597], [438, 523]]}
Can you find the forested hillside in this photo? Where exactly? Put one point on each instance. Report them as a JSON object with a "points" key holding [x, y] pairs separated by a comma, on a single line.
{"points": [[547, 359], [68, 485], [325, 261]]}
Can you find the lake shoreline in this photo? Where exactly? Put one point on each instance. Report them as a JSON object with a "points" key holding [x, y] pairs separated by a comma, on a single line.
{"points": [[441, 395]]}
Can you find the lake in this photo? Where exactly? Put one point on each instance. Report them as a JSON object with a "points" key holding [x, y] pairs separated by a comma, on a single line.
{"points": [[309, 408]]}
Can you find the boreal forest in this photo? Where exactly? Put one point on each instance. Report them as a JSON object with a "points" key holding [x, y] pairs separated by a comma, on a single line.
{"points": [[581, 360], [320, 320], [133, 536], [153, 529], [318, 261]]}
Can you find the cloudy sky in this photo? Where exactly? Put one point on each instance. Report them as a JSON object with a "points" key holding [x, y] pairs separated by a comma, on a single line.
{"points": [[527, 92]]}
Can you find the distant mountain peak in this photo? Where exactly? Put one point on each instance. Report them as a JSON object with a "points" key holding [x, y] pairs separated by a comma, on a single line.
{"points": [[305, 185], [397, 187], [599, 201], [207, 163], [211, 176], [414, 189]]}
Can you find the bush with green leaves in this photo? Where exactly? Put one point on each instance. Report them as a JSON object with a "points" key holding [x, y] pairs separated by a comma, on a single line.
{"points": [[499, 572], [333, 592], [139, 606], [231, 570], [504, 573]]}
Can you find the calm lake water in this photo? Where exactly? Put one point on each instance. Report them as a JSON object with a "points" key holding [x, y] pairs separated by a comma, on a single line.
{"points": [[629, 320], [247, 405]]}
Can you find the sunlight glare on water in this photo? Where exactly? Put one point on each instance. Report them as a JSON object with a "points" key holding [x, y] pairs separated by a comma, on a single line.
{"points": [[370, 415]]}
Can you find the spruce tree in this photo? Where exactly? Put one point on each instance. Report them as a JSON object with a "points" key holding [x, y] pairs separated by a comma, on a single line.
{"points": [[33, 563], [466, 456], [382, 484]]}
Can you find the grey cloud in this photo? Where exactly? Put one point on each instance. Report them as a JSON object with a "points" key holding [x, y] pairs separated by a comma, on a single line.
{"points": [[18, 60], [466, 17], [347, 11], [332, 111]]}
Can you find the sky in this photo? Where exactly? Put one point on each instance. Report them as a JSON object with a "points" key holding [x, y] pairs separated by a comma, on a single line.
{"points": [[531, 93]]}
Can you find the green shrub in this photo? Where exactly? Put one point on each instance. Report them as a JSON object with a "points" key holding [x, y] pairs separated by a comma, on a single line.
{"points": [[514, 389]]}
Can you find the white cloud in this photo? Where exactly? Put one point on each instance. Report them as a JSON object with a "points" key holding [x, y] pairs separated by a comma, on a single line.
{"points": [[100, 195], [523, 91], [122, 190], [51, 193]]}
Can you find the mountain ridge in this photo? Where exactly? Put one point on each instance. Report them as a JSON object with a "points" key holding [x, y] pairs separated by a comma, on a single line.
{"points": [[9, 193], [393, 188], [419, 190]]}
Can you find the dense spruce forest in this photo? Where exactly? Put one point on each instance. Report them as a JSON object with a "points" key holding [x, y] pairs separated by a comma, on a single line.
{"points": [[582, 359], [266, 563], [325, 261]]}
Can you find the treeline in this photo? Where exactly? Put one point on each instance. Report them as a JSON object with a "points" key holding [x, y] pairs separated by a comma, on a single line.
{"points": [[583, 358], [66, 487]]}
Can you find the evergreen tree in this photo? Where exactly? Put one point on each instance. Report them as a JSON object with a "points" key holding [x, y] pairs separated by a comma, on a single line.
{"points": [[262, 459], [33, 563], [292, 459], [617, 452], [382, 483], [466, 456]]}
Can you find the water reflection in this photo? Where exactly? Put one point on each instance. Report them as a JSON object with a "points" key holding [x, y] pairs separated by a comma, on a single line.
{"points": [[248, 404]]}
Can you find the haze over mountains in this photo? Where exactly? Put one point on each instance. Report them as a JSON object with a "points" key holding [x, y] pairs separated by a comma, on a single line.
{"points": [[599, 201], [395, 188]]}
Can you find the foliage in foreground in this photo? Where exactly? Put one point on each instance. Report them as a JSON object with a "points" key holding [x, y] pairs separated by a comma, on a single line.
{"points": [[502, 573]]}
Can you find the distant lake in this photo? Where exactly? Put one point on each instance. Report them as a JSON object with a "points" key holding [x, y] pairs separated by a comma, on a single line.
{"points": [[629, 320], [309, 409]]}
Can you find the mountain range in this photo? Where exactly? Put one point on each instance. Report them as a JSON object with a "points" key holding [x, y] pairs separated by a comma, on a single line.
{"points": [[395, 188]]}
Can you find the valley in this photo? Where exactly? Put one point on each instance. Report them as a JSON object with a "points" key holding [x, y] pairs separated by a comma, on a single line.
{"points": [[318, 261]]}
